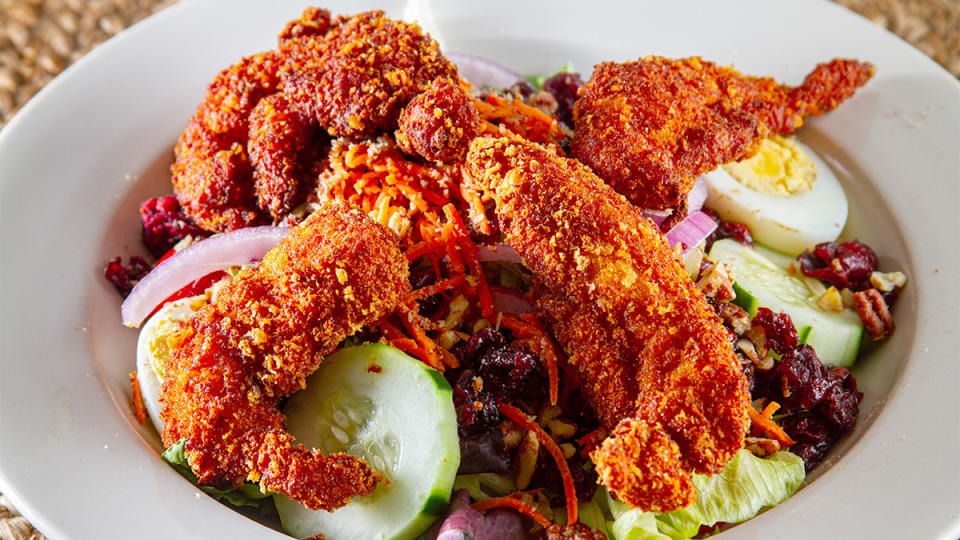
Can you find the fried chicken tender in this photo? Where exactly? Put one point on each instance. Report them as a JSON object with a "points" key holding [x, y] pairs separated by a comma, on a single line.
{"points": [[255, 146], [650, 127], [212, 170], [285, 146], [258, 340], [634, 325], [439, 123], [358, 76]]}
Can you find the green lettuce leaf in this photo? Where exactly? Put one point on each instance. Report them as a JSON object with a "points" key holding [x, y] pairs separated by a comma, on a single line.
{"points": [[747, 485], [248, 495]]}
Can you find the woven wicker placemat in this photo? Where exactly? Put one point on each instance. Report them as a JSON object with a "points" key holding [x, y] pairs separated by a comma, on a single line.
{"points": [[39, 38]]}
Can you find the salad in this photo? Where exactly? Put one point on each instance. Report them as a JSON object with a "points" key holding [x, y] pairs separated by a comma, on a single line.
{"points": [[505, 421]]}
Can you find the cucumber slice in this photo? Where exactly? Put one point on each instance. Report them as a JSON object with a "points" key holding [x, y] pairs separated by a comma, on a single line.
{"points": [[835, 336], [390, 409]]}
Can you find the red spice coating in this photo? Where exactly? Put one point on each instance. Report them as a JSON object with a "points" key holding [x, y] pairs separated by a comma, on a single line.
{"points": [[589, 245], [650, 127], [439, 123], [284, 151], [356, 78], [264, 333], [212, 172]]}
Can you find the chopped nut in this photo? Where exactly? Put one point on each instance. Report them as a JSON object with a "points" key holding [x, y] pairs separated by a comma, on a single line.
{"points": [[448, 339], [568, 450], [717, 284], [758, 336], [526, 460], [512, 434], [736, 317], [479, 325], [761, 447], [831, 300], [886, 282], [874, 313], [561, 429], [847, 296], [748, 349]]}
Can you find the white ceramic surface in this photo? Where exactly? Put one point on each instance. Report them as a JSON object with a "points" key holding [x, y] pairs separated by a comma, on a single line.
{"points": [[76, 161]]}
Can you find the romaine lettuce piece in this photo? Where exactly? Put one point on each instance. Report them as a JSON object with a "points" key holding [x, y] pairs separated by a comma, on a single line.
{"points": [[248, 495], [747, 485]]}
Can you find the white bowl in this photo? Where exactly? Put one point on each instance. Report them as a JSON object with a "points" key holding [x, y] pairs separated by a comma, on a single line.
{"points": [[77, 160]]}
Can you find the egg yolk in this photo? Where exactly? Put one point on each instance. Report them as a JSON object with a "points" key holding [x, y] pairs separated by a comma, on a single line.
{"points": [[779, 169]]}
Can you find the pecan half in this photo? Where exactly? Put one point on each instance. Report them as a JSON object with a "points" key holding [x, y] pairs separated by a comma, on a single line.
{"points": [[874, 313]]}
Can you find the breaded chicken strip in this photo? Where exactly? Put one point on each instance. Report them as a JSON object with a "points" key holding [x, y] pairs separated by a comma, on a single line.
{"points": [[356, 78], [650, 127], [624, 310], [264, 333]]}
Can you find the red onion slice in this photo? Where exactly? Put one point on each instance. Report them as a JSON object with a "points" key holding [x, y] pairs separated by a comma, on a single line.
{"points": [[481, 71], [219, 251], [498, 253], [509, 300], [698, 195], [694, 228]]}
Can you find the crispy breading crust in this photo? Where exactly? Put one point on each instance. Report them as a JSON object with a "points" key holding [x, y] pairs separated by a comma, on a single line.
{"points": [[650, 127], [358, 76], [439, 123], [263, 334], [244, 162], [586, 244], [212, 171]]}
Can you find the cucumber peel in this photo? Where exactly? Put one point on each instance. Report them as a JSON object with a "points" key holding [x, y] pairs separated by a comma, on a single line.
{"points": [[375, 402]]}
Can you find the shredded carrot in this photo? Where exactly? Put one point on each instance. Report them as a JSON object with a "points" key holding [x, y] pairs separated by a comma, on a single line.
{"points": [[771, 408], [423, 248], [389, 330], [510, 502], [139, 412], [590, 441], [431, 290], [770, 427], [408, 346], [473, 260], [522, 420], [407, 317]]}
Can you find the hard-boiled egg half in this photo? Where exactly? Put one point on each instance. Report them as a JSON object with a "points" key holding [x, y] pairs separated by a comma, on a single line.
{"points": [[153, 349], [786, 194]]}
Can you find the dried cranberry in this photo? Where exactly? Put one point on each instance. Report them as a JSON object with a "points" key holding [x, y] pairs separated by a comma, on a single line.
{"points": [[484, 453], [511, 373], [125, 277], [478, 345], [778, 329], [800, 379], [523, 88], [476, 409], [424, 276], [727, 229], [811, 454], [165, 224], [845, 266], [806, 427], [564, 87]]}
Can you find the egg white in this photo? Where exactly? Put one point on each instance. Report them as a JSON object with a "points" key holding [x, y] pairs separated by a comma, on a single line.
{"points": [[150, 381], [786, 224]]}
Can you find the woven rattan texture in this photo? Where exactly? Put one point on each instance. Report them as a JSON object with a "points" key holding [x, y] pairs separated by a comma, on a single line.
{"points": [[38, 39]]}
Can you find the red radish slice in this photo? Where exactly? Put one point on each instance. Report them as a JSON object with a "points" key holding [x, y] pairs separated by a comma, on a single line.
{"points": [[694, 228], [508, 300], [483, 72], [217, 252]]}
